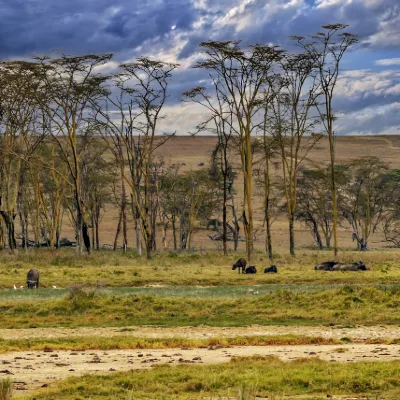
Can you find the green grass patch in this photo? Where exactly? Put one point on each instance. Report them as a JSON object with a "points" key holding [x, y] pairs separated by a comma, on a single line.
{"points": [[87, 307], [242, 378], [131, 342]]}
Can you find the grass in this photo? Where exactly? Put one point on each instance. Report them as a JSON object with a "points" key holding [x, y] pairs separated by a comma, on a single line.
{"points": [[243, 378], [6, 389], [86, 307], [130, 342], [64, 269]]}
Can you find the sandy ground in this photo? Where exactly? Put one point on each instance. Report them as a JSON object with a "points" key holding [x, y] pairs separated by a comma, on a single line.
{"points": [[358, 333], [31, 370]]}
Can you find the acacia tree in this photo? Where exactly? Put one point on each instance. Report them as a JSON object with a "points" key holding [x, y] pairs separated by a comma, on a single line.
{"points": [[391, 221], [142, 87], [314, 202], [20, 135], [292, 97], [365, 198], [327, 49], [220, 123], [241, 75], [69, 85]]}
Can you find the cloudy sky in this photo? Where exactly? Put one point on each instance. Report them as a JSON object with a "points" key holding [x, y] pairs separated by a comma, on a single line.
{"points": [[368, 94]]}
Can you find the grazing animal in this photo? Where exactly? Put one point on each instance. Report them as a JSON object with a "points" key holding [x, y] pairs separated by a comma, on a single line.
{"points": [[326, 266], [240, 264], [32, 279], [271, 269], [355, 266], [251, 269]]}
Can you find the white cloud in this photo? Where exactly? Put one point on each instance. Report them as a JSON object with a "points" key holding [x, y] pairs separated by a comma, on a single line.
{"points": [[388, 62]]}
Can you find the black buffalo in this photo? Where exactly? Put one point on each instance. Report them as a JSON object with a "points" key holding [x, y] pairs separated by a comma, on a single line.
{"points": [[272, 269], [251, 269], [355, 266], [241, 265], [326, 266], [32, 279]]}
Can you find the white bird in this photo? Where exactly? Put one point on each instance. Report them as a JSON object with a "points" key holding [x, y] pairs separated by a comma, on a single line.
{"points": [[54, 287], [21, 287], [15, 288], [256, 292]]}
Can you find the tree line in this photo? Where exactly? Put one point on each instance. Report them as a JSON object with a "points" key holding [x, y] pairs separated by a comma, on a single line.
{"points": [[74, 139]]}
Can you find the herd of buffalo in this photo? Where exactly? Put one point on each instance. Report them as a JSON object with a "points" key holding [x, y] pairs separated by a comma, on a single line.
{"points": [[241, 266], [32, 279]]}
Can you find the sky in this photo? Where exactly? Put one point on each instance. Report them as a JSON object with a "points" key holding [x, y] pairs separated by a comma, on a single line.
{"points": [[368, 92]]}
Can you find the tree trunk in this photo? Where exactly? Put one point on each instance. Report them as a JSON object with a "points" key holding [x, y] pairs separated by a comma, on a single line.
{"points": [[9, 222], [118, 231], [24, 240], [237, 228], [124, 219], [93, 229], [268, 241], [138, 237], [291, 233], [85, 236], [316, 234], [173, 221], [224, 219]]}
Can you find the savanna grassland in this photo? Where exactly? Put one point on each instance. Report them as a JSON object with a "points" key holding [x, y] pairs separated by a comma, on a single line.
{"points": [[185, 326]]}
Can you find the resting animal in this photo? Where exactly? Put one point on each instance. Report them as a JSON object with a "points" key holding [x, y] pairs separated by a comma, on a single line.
{"points": [[251, 269], [271, 269]]}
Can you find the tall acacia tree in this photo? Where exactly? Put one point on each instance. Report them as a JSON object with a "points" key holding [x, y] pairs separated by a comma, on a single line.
{"points": [[218, 122], [20, 135], [327, 49], [142, 93], [242, 75], [293, 96], [69, 85]]}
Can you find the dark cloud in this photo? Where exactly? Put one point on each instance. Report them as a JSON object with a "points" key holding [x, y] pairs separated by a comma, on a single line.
{"points": [[174, 28]]}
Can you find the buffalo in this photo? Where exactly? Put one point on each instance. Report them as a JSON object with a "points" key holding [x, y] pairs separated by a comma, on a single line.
{"points": [[240, 264], [251, 269], [355, 266], [32, 279], [326, 266], [272, 269]]}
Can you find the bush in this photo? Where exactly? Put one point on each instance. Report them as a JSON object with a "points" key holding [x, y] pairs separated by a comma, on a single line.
{"points": [[6, 389]]}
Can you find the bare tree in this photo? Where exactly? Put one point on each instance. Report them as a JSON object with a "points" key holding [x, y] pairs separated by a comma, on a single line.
{"points": [[68, 87], [327, 49], [20, 135], [292, 97], [142, 94], [241, 76]]}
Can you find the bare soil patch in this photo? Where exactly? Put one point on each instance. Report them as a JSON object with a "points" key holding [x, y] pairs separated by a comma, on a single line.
{"points": [[359, 333], [32, 370]]}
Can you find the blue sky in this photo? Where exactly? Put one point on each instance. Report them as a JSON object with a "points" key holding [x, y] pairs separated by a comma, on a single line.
{"points": [[368, 93]]}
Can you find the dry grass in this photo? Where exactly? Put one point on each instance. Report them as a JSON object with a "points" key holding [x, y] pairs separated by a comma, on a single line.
{"points": [[64, 269], [131, 342], [242, 378]]}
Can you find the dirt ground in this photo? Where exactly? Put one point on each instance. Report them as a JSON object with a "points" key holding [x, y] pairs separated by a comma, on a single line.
{"points": [[359, 333], [31, 370]]}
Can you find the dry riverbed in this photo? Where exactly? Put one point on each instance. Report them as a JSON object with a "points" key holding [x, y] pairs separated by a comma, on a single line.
{"points": [[359, 333], [32, 370]]}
